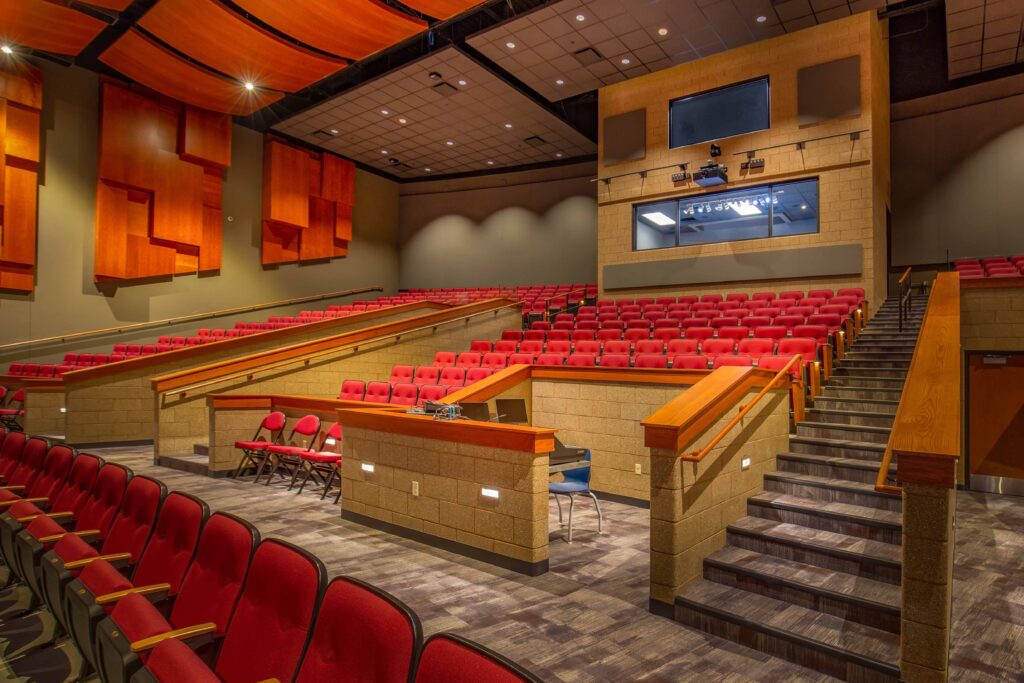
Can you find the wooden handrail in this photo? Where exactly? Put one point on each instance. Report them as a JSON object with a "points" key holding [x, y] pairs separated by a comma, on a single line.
{"points": [[905, 275], [926, 429], [359, 338], [697, 456], [188, 318]]}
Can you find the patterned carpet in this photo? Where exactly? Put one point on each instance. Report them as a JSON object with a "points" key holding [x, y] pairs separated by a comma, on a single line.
{"points": [[586, 619]]}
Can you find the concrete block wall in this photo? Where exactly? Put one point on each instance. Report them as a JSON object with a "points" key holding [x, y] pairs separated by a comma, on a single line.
{"points": [[184, 422], [605, 417], [120, 407], [992, 319], [692, 503], [43, 416], [450, 505]]}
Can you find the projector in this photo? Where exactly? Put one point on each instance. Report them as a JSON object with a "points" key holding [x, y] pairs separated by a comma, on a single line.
{"points": [[711, 174]]}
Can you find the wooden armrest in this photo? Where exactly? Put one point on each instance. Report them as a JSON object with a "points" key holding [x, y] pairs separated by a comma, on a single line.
{"points": [[113, 557], [51, 515], [8, 503], [271, 680], [108, 598], [13, 487], [177, 634], [56, 537]]}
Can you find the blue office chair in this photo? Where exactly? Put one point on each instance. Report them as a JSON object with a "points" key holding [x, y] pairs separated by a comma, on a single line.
{"points": [[577, 481]]}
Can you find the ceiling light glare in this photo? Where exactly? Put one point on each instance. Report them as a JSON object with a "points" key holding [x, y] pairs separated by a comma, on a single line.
{"points": [[625, 60], [7, 49], [761, 19], [403, 120], [249, 85], [580, 17], [462, 81], [559, 82], [450, 143], [510, 45]]}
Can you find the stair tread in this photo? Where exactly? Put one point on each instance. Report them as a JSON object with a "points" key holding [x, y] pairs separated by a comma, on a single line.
{"points": [[840, 443], [854, 463], [844, 411], [819, 539], [832, 508], [878, 401], [842, 425], [761, 611], [831, 482], [882, 595]]}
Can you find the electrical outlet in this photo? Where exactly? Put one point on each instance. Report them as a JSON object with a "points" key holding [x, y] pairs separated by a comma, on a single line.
{"points": [[415, 488], [637, 469]]}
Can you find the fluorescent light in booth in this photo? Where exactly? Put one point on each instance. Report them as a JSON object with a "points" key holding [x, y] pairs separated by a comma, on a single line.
{"points": [[658, 218], [746, 209]]}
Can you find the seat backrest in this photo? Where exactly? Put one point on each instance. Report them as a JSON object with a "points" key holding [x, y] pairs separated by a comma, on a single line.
{"points": [[405, 394], [271, 624], [361, 634], [477, 374], [352, 390], [214, 579], [615, 346], [698, 333], [667, 333], [793, 345], [55, 472], [717, 347], [73, 495], [307, 427], [690, 362], [444, 359], [10, 452], [615, 360], [788, 321], [755, 347], [776, 363], [530, 346], [452, 377], [434, 392], [651, 360], [680, 347], [426, 374], [734, 332], [273, 423], [480, 346], [742, 361], [562, 347], [173, 543], [645, 346], [816, 332], [603, 336], [378, 392], [494, 361], [468, 359], [30, 466], [514, 335], [400, 374], [134, 520], [447, 658], [550, 359], [505, 346], [582, 359]]}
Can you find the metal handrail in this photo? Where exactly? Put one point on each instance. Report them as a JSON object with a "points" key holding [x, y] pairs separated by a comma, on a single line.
{"points": [[188, 318], [906, 297], [697, 456], [305, 358]]}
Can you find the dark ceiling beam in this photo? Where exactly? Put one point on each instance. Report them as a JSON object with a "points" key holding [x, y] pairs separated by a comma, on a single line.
{"points": [[90, 56]]}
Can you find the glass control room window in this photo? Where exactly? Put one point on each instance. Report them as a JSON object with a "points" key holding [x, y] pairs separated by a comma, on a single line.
{"points": [[777, 210]]}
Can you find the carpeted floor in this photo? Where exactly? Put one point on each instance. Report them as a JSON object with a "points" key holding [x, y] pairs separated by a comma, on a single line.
{"points": [[586, 619]]}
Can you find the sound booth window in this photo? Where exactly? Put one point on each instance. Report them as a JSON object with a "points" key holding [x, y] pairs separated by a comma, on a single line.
{"points": [[776, 210], [717, 114]]}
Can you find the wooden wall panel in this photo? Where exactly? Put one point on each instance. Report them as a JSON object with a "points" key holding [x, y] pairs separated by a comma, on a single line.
{"points": [[47, 26], [223, 40], [158, 209], [307, 204], [146, 62], [20, 102]]}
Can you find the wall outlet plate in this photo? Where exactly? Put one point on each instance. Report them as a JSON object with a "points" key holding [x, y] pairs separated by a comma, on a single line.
{"points": [[637, 469], [415, 488]]}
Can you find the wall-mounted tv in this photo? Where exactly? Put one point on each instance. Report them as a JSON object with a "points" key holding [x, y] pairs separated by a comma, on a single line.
{"points": [[721, 113]]}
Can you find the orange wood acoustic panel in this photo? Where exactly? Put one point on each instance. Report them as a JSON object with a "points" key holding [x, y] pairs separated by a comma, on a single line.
{"points": [[48, 26], [441, 9], [307, 204], [154, 66], [996, 414], [158, 200], [223, 40], [353, 29], [20, 104]]}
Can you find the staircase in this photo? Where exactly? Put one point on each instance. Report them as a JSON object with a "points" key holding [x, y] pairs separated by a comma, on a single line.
{"points": [[812, 574]]}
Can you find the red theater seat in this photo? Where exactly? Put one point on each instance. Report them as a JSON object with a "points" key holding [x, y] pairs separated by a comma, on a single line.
{"points": [[494, 361], [614, 360], [699, 333], [651, 360], [352, 390], [477, 374], [378, 392], [533, 347], [434, 392], [636, 334], [681, 347], [452, 377], [448, 658], [521, 358], [755, 348], [712, 348], [426, 374], [665, 334], [605, 336], [741, 361], [401, 374], [405, 394], [617, 346], [506, 346], [559, 347], [776, 363], [690, 362], [591, 347], [819, 333], [512, 335], [807, 348], [481, 346], [737, 332], [582, 359], [468, 359], [649, 346], [551, 359], [444, 359]]}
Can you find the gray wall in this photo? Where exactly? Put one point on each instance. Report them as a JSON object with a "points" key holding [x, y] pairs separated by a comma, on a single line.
{"points": [[511, 229], [66, 299], [958, 174]]}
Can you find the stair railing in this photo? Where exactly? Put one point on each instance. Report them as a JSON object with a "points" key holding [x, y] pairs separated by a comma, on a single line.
{"points": [[906, 297], [782, 374]]}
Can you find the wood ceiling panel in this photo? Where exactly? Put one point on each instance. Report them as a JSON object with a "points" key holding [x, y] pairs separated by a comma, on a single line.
{"points": [[116, 5], [223, 40], [47, 26], [155, 67], [352, 29], [441, 9]]}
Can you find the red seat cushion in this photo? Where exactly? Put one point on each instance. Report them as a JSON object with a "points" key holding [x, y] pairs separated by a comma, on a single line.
{"points": [[287, 450], [137, 618], [71, 548], [24, 509], [44, 526], [448, 661], [5, 494], [252, 445], [173, 660], [321, 457], [101, 578]]}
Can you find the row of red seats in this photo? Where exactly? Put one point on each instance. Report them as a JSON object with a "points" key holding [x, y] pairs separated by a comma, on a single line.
{"points": [[738, 297], [211, 574], [403, 394], [1001, 266], [635, 335]]}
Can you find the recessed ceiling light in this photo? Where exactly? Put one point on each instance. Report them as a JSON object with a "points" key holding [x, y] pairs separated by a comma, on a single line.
{"points": [[559, 82], [334, 131], [510, 45], [490, 163], [803, 207], [384, 112], [383, 151], [580, 17], [662, 31], [427, 169], [402, 120], [450, 143], [625, 60], [462, 81], [6, 49], [559, 155], [658, 218], [249, 85], [508, 125], [761, 19]]}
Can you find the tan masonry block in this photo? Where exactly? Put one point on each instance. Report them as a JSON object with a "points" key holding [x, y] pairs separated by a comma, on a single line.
{"points": [[455, 516]]}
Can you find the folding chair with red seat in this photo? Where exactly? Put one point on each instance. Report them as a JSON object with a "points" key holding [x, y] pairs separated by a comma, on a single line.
{"points": [[615, 360], [324, 463], [158, 574], [736, 332], [288, 455], [468, 359], [738, 360], [690, 362], [15, 409], [405, 394], [401, 374], [494, 361], [480, 346], [712, 348], [651, 360], [447, 658], [268, 631], [208, 594], [444, 359], [582, 359], [615, 347], [476, 374], [254, 451], [352, 390]]}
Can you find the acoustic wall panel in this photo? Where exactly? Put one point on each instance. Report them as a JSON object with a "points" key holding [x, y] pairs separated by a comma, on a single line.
{"points": [[624, 137], [307, 204], [158, 208], [21, 99], [828, 91]]}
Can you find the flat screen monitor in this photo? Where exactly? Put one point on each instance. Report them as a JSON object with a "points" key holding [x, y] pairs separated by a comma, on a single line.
{"points": [[722, 113], [512, 411], [476, 411]]}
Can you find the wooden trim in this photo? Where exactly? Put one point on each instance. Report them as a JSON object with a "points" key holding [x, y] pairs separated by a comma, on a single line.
{"points": [[34, 385], [926, 432], [492, 434], [679, 422], [903, 278], [496, 384], [620, 375], [190, 352], [992, 283], [178, 634], [277, 401], [339, 342]]}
